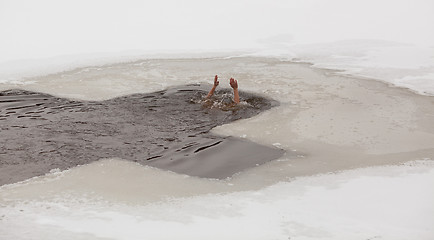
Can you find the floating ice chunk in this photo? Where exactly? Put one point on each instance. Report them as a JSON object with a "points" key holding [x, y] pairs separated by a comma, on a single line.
{"points": [[55, 170]]}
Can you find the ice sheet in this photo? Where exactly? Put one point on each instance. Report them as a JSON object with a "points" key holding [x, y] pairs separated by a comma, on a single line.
{"points": [[384, 202], [404, 65], [50, 36]]}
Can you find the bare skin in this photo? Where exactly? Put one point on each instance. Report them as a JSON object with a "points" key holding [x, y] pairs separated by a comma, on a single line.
{"points": [[216, 83], [234, 85]]}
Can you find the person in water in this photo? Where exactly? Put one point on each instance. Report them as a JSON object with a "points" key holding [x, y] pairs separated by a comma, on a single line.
{"points": [[234, 85]]}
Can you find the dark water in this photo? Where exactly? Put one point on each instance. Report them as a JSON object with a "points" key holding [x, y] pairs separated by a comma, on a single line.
{"points": [[168, 129]]}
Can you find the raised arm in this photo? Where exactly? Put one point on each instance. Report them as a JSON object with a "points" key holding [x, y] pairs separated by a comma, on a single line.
{"points": [[216, 83], [234, 85]]}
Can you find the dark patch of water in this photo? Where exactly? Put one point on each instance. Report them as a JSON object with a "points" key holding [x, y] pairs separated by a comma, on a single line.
{"points": [[168, 129]]}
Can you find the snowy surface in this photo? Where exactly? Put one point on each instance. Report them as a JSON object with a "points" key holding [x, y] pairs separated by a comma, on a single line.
{"points": [[393, 202], [388, 40]]}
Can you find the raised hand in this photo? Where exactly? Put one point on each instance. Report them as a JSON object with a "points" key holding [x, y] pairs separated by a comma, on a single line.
{"points": [[233, 83], [216, 82]]}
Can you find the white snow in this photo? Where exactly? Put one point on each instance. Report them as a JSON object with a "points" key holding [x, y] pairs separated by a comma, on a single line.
{"points": [[390, 40], [393, 202], [405, 65]]}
